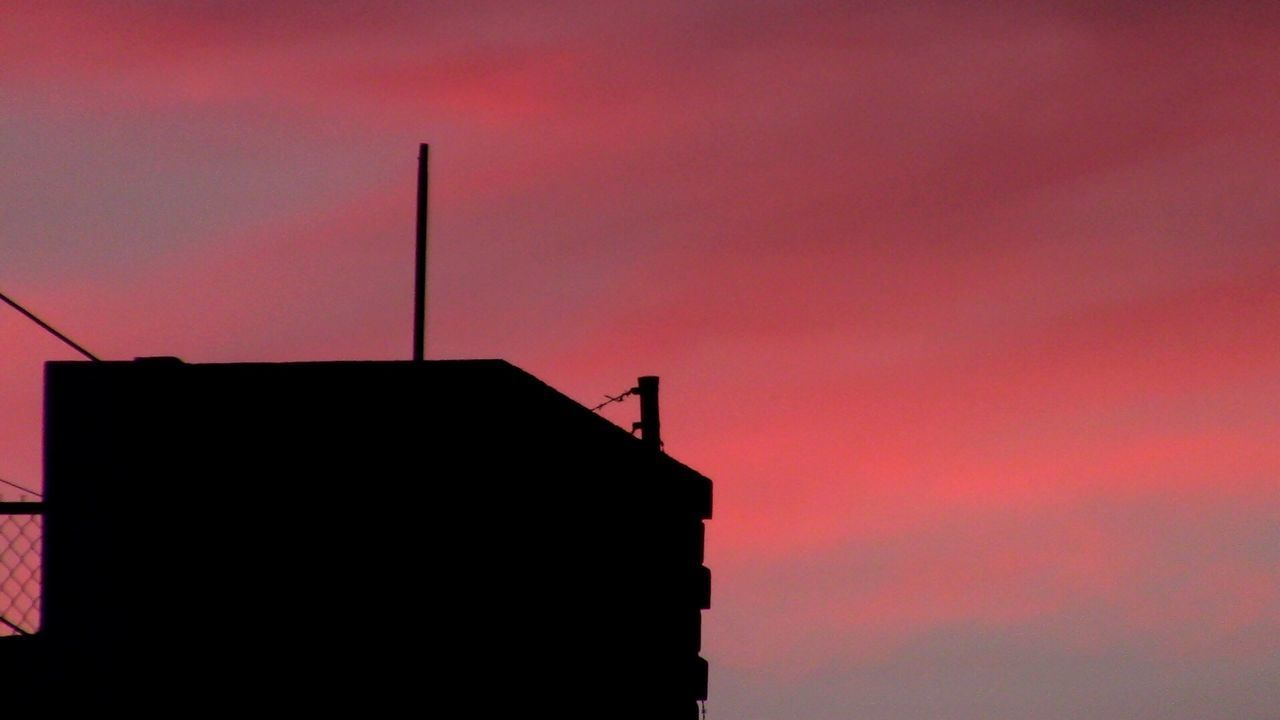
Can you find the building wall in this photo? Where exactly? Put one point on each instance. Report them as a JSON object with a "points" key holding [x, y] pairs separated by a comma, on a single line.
{"points": [[328, 535]]}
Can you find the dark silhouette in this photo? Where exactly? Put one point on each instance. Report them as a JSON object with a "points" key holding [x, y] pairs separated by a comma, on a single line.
{"points": [[364, 537], [420, 257]]}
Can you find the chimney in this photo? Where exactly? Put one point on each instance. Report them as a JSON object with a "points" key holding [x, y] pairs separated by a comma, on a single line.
{"points": [[650, 427]]}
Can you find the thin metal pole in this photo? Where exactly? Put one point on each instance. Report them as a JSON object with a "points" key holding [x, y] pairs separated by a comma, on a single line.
{"points": [[49, 328], [420, 267], [21, 508]]}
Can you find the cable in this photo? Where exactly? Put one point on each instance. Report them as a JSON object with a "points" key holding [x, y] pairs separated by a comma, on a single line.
{"points": [[613, 399], [49, 328], [29, 491], [13, 626]]}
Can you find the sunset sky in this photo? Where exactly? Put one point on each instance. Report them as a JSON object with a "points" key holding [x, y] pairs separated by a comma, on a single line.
{"points": [[970, 310]]}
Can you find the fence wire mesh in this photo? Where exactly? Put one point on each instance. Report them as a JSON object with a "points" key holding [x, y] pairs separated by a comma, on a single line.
{"points": [[21, 545]]}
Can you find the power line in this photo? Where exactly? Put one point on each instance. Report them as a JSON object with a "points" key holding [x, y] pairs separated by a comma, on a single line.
{"points": [[29, 491], [49, 328]]}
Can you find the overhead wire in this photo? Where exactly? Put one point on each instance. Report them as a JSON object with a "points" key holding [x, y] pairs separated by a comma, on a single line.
{"points": [[12, 626], [15, 485], [52, 331], [48, 328]]}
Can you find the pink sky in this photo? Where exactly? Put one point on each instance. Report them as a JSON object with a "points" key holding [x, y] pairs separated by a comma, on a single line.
{"points": [[971, 314]]}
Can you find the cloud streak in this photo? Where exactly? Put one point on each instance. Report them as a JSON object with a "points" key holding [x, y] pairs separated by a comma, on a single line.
{"points": [[969, 312]]}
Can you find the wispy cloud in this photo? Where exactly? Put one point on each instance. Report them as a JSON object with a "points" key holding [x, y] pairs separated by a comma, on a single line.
{"points": [[968, 311]]}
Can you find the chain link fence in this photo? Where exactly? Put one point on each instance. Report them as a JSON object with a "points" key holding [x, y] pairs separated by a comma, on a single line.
{"points": [[21, 545]]}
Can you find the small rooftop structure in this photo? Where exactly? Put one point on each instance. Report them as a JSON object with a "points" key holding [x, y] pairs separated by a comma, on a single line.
{"points": [[359, 536]]}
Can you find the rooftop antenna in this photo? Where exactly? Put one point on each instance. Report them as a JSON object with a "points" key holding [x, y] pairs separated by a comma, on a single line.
{"points": [[420, 263]]}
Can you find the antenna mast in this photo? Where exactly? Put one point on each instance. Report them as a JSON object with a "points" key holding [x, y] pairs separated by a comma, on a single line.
{"points": [[420, 264]]}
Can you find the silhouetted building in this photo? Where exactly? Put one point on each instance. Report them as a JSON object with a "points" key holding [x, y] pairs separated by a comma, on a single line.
{"points": [[365, 537]]}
